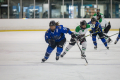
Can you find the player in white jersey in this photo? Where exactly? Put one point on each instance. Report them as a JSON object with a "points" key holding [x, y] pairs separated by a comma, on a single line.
{"points": [[80, 32], [106, 26]]}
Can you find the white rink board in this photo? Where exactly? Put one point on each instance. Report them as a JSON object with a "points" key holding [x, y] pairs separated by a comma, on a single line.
{"points": [[21, 54], [38, 24]]}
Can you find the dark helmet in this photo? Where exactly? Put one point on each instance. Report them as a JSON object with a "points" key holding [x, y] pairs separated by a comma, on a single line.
{"points": [[83, 23], [93, 19], [98, 9], [52, 23]]}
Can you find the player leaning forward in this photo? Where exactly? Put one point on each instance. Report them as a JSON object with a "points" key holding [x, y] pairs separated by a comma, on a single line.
{"points": [[106, 26], [55, 36], [80, 32], [96, 29]]}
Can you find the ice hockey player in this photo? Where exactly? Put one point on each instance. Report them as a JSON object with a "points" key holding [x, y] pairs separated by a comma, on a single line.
{"points": [[117, 39], [98, 12], [106, 26], [55, 36], [80, 32], [97, 30]]}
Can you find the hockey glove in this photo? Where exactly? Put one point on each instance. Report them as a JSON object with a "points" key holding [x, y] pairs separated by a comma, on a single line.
{"points": [[97, 29], [91, 32], [73, 35], [51, 42], [80, 37]]}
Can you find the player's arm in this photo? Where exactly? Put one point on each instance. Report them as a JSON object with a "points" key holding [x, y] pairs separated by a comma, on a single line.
{"points": [[102, 15], [100, 28], [48, 39], [95, 14], [77, 30], [100, 20], [91, 26], [47, 36], [88, 26], [67, 30]]}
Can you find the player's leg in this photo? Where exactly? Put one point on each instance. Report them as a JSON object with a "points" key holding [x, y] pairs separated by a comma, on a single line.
{"points": [[60, 48], [103, 40], [84, 46], [48, 52], [106, 30], [71, 44], [117, 39], [94, 41]]}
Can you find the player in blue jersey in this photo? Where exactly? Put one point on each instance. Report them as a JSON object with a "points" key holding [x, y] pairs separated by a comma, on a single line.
{"points": [[55, 37], [117, 38], [96, 29]]}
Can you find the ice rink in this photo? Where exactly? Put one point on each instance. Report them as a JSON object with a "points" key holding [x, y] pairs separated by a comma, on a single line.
{"points": [[21, 54]]}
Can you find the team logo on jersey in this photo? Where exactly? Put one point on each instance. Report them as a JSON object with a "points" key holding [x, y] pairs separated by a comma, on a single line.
{"points": [[65, 28], [57, 30], [92, 25], [82, 30]]}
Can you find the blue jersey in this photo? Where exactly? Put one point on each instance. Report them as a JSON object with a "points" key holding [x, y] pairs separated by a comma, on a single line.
{"points": [[58, 33], [96, 25]]}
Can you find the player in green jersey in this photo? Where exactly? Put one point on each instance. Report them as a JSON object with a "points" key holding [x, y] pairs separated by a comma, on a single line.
{"points": [[80, 32]]}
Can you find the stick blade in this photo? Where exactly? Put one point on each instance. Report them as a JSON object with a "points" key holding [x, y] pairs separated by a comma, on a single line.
{"points": [[86, 64]]}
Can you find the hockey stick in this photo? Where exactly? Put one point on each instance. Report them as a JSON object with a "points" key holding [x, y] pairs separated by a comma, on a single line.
{"points": [[115, 33], [82, 53], [90, 34], [86, 36]]}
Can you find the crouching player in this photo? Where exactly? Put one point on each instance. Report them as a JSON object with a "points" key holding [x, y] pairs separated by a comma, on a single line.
{"points": [[55, 36], [97, 30], [80, 32], [106, 26]]}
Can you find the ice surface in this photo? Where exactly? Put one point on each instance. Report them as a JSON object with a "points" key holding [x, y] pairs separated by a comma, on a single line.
{"points": [[21, 54]]}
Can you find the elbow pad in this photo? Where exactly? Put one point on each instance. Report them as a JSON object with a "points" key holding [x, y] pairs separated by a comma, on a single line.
{"points": [[68, 30]]}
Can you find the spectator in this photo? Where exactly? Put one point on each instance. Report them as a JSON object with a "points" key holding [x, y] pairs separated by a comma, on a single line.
{"points": [[45, 14], [61, 16]]}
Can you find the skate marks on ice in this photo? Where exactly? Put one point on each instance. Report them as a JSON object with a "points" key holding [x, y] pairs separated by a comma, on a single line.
{"points": [[59, 64]]}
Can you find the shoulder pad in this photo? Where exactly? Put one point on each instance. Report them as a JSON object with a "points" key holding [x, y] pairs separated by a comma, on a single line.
{"points": [[89, 22], [47, 31], [60, 26]]}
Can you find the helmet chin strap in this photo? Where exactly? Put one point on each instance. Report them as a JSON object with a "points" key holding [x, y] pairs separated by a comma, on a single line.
{"points": [[52, 30]]}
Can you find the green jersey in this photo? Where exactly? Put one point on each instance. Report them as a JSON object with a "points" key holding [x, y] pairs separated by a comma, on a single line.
{"points": [[79, 31]]}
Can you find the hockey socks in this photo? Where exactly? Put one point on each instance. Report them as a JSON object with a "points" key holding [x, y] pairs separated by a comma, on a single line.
{"points": [[117, 39], [67, 49], [48, 52]]}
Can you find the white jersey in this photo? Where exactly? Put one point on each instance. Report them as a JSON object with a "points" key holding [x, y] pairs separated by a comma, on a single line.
{"points": [[79, 31], [104, 23]]}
